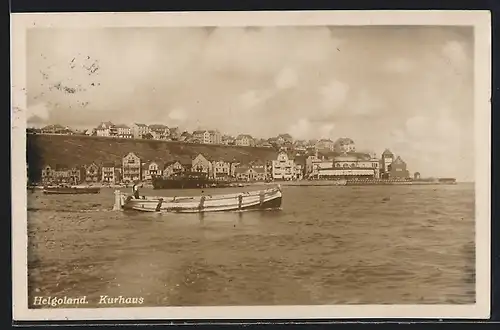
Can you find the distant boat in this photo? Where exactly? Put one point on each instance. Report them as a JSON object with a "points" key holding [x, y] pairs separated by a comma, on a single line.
{"points": [[447, 181], [70, 190], [260, 200]]}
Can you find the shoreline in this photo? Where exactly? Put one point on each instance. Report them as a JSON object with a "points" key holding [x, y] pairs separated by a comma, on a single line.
{"points": [[296, 183]]}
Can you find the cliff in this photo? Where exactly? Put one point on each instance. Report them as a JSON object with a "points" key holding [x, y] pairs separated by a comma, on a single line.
{"points": [[76, 150]]}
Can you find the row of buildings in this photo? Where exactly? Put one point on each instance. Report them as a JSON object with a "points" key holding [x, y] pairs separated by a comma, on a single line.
{"points": [[286, 166], [214, 137]]}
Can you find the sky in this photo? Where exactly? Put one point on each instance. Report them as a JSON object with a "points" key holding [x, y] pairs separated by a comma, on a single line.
{"points": [[409, 89]]}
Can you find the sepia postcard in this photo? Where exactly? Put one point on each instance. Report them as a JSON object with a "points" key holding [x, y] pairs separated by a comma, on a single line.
{"points": [[251, 165]]}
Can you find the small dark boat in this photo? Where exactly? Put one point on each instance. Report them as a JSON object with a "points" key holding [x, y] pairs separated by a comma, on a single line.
{"points": [[447, 181], [70, 190]]}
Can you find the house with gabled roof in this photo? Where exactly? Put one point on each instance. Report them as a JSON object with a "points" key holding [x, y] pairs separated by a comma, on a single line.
{"points": [[172, 168], [92, 173], [223, 167], [152, 168], [202, 164], [398, 169], [47, 174], [131, 167], [106, 129], [245, 140]]}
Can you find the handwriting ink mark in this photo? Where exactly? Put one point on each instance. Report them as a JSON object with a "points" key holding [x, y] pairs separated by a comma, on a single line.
{"points": [[45, 76]]}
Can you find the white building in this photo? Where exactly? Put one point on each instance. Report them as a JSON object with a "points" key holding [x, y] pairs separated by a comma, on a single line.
{"points": [[131, 167], [244, 140], [208, 136], [315, 164], [159, 132], [387, 159], [202, 136], [106, 129], [152, 169], [139, 130], [283, 168], [124, 132]]}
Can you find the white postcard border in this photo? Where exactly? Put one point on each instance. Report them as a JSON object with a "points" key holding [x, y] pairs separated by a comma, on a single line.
{"points": [[479, 19]]}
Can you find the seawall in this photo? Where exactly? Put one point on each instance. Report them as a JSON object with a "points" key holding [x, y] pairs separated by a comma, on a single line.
{"points": [[77, 150]]}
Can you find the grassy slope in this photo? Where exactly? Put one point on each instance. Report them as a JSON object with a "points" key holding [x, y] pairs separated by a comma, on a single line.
{"points": [[80, 150]]}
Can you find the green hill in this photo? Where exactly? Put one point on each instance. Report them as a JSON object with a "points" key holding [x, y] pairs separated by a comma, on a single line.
{"points": [[77, 150]]}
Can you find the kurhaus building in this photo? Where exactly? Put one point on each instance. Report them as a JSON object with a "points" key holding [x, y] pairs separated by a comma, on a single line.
{"points": [[350, 164], [343, 165]]}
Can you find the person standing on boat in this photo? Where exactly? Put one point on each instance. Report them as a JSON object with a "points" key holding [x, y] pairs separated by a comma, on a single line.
{"points": [[135, 190]]}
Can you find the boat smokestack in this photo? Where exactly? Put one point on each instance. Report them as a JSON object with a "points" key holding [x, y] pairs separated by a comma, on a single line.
{"points": [[118, 201]]}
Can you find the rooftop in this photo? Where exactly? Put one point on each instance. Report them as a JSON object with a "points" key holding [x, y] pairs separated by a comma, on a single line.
{"points": [[387, 152]]}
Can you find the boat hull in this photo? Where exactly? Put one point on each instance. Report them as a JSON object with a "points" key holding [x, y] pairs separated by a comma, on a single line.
{"points": [[259, 200], [71, 190]]}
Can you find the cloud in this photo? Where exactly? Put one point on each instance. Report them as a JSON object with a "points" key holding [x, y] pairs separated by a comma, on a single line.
{"points": [[38, 113], [398, 136], [326, 131], [35, 121], [178, 115], [287, 78], [399, 65], [269, 80], [364, 103], [441, 133], [432, 145], [301, 129], [333, 94], [259, 52], [417, 126], [304, 129], [252, 98], [454, 51]]}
